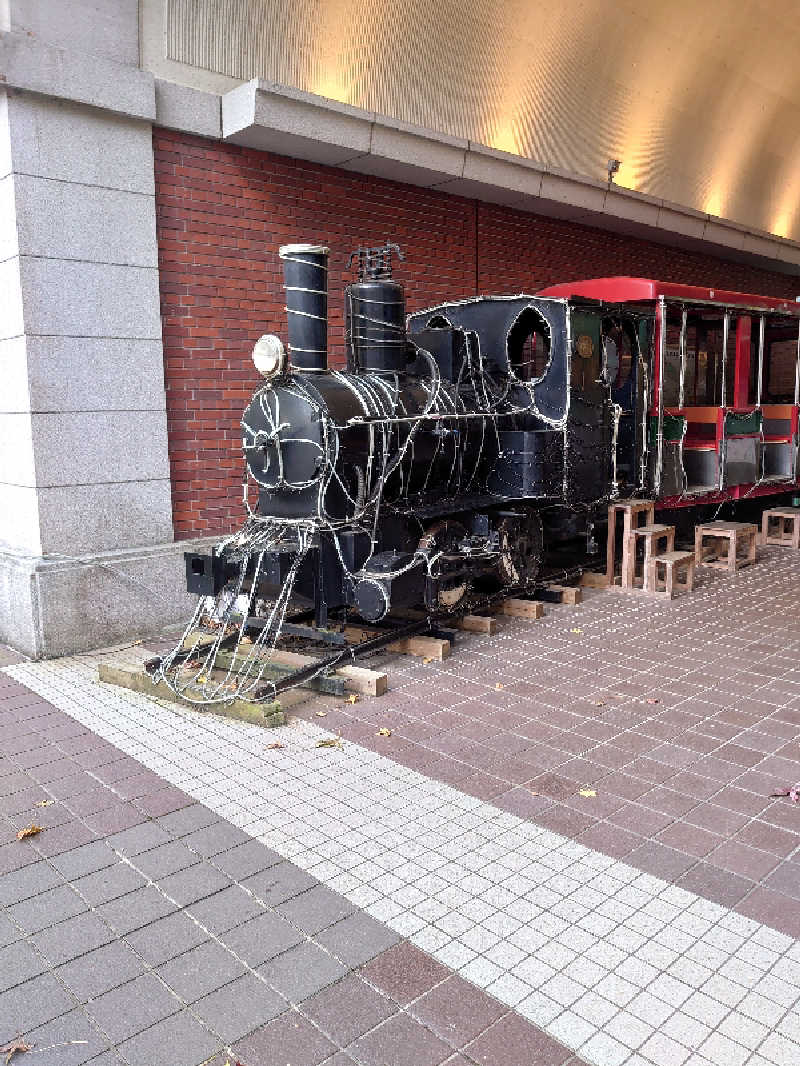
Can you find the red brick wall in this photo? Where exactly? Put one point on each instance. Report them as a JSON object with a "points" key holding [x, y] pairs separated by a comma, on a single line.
{"points": [[222, 213]]}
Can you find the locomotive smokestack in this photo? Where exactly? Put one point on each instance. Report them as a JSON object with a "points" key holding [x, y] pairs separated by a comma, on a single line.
{"points": [[305, 279]]}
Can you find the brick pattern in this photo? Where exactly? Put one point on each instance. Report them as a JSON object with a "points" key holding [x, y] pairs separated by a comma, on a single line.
{"points": [[222, 212], [168, 937]]}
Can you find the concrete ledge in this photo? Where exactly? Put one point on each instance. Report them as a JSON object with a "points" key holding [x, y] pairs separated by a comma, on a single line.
{"points": [[279, 119], [41, 68], [188, 110], [58, 605]]}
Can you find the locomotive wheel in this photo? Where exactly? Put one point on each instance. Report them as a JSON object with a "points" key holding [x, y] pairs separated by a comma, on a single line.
{"points": [[443, 539], [521, 541]]}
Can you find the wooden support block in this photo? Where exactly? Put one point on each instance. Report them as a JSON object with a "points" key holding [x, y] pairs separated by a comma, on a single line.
{"points": [[478, 623], [592, 580], [263, 714], [529, 609], [425, 647], [356, 678], [567, 593]]}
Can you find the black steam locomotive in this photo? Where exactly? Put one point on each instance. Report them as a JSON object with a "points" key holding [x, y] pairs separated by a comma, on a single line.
{"points": [[420, 476]]}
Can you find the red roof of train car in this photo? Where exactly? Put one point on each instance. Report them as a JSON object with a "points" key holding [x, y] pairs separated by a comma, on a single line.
{"points": [[637, 290]]}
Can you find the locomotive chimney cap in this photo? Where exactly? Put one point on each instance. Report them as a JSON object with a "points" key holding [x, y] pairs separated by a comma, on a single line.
{"points": [[298, 249]]}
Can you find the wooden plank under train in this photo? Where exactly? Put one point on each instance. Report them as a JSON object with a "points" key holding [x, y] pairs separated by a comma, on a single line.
{"points": [[269, 669], [515, 608], [263, 714], [425, 647], [567, 593], [477, 623], [356, 678], [590, 579]]}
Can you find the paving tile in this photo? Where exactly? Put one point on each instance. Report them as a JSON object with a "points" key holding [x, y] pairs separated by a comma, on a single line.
{"points": [[63, 837], [100, 970], [511, 1041], [457, 1011], [357, 939], [113, 820], [83, 860], [139, 838], [136, 909], [197, 882], [279, 883], [108, 883], [47, 908], [166, 938], [239, 1007], [69, 1040], [186, 819], [18, 963], [401, 1041], [315, 909], [72, 937], [200, 970], [404, 972], [165, 859], [132, 1007], [289, 1040], [33, 1003], [713, 883], [301, 971], [9, 932], [244, 860], [28, 881], [262, 938], [225, 910], [179, 1040], [215, 838], [348, 1009], [164, 801]]}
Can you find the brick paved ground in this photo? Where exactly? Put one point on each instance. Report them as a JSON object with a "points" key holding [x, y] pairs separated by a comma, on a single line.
{"points": [[509, 882], [154, 933]]}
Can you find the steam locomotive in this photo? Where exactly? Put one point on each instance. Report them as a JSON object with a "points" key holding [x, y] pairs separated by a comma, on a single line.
{"points": [[427, 474]]}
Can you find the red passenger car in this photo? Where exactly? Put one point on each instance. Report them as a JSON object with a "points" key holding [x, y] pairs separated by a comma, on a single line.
{"points": [[707, 386]]}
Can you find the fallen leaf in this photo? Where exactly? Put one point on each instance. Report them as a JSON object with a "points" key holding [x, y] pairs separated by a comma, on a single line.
{"points": [[275, 744], [653, 700], [44, 803], [11, 1049], [202, 679], [427, 659], [29, 831], [576, 630], [136, 643], [599, 703], [498, 686], [384, 733], [322, 714], [330, 742], [587, 792], [792, 793], [352, 698]]}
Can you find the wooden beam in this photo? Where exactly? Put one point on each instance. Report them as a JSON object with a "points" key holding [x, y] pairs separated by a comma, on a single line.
{"points": [[425, 647], [477, 623], [592, 580], [263, 714], [567, 593], [528, 609]]}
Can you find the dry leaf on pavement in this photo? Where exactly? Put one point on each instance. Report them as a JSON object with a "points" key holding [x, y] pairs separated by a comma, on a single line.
{"points": [[29, 831], [330, 742], [14, 1047], [44, 803], [275, 744], [321, 714], [587, 792], [384, 733], [352, 698]]}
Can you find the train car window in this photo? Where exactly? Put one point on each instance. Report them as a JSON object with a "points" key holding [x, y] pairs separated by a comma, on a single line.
{"points": [[529, 346], [780, 362], [671, 359]]}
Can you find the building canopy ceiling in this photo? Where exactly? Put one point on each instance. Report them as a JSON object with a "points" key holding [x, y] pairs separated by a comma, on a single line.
{"points": [[699, 102]]}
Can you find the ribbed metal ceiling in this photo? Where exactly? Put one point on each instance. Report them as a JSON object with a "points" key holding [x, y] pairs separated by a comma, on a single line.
{"points": [[701, 102]]}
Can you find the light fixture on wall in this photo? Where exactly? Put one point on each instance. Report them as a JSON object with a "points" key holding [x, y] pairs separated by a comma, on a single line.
{"points": [[612, 168]]}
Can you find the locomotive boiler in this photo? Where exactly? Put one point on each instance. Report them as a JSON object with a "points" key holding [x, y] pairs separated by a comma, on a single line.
{"points": [[423, 477]]}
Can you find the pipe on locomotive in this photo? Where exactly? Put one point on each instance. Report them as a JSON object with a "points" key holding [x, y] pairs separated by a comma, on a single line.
{"points": [[305, 279]]}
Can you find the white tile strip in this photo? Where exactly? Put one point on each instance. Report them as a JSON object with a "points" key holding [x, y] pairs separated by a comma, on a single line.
{"points": [[616, 964]]}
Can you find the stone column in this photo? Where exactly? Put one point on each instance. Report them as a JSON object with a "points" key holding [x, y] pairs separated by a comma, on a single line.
{"points": [[86, 555]]}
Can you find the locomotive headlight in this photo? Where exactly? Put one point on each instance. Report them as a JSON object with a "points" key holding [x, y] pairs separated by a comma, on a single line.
{"points": [[269, 355]]}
